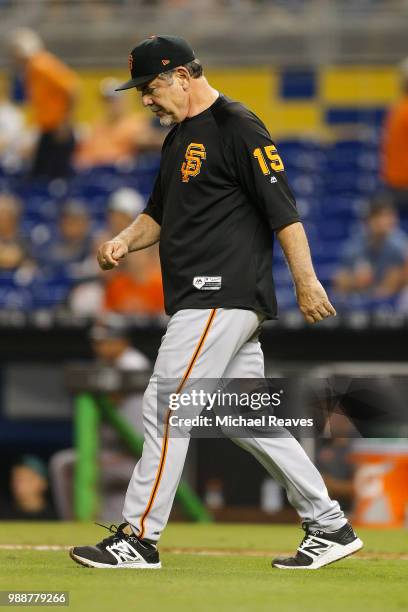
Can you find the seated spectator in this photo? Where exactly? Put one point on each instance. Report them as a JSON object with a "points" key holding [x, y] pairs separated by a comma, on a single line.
{"points": [[87, 298], [374, 259], [112, 347], [119, 135], [29, 492], [134, 290], [395, 146], [13, 250], [69, 250], [136, 287], [123, 207]]}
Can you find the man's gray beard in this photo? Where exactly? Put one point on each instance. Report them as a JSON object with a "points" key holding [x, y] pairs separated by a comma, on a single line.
{"points": [[166, 121]]}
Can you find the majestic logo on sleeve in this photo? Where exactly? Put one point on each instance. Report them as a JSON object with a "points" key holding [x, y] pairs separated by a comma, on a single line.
{"points": [[194, 156]]}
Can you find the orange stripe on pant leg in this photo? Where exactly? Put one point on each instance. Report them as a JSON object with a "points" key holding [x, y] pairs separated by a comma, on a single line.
{"points": [[163, 453]]}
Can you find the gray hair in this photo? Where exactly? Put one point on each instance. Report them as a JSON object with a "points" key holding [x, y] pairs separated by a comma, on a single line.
{"points": [[195, 70]]}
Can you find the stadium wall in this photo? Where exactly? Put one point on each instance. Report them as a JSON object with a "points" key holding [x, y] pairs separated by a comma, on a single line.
{"points": [[305, 102]]}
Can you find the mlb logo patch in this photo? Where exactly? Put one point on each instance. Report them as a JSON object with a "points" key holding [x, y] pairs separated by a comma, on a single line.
{"points": [[207, 283]]}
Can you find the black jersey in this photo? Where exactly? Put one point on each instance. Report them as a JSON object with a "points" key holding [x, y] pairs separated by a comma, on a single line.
{"points": [[220, 194]]}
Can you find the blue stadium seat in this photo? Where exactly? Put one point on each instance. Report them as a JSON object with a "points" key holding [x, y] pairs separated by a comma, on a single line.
{"points": [[332, 183]]}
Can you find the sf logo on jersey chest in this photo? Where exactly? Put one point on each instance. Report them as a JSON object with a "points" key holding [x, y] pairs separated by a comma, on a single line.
{"points": [[194, 156]]}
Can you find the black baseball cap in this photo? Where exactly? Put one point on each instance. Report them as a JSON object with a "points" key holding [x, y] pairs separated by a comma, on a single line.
{"points": [[155, 55]]}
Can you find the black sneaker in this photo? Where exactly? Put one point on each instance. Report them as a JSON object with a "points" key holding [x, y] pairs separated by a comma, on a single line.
{"points": [[120, 550], [319, 548]]}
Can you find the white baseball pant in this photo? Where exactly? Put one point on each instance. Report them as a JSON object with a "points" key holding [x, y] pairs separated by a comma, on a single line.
{"points": [[214, 344]]}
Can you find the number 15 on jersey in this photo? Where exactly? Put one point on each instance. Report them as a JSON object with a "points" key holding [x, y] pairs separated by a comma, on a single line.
{"points": [[275, 164]]}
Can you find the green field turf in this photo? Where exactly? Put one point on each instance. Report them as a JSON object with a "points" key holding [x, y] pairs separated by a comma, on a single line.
{"points": [[210, 567]]}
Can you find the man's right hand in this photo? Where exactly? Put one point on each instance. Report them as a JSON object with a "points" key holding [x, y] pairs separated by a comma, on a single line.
{"points": [[109, 253]]}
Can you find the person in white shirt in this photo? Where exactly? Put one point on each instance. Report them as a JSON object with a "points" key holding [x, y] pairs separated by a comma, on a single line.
{"points": [[16, 139]]}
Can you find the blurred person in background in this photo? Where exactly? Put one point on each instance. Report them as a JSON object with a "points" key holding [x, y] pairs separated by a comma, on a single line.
{"points": [[333, 455], [51, 90], [69, 250], [29, 492], [118, 135], [137, 287], [15, 136], [13, 247], [374, 260], [112, 347], [337, 470], [395, 146], [88, 297], [123, 207]]}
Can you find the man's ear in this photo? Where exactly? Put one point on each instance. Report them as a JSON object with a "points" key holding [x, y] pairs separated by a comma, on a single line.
{"points": [[184, 77]]}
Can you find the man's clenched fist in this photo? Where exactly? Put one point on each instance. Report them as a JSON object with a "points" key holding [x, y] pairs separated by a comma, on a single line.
{"points": [[313, 302], [109, 253]]}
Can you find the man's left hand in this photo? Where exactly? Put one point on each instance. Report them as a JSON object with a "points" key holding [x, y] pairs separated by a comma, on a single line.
{"points": [[313, 302]]}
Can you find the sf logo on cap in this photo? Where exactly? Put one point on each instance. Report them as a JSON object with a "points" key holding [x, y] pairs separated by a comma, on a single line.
{"points": [[195, 153], [130, 62]]}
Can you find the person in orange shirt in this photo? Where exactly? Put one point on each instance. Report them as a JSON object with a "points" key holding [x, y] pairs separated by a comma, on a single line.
{"points": [[137, 288], [51, 89], [134, 289], [118, 135], [395, 146]]}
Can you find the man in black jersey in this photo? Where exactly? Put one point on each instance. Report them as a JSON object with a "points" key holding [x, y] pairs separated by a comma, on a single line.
{"points": [[220, 196]]}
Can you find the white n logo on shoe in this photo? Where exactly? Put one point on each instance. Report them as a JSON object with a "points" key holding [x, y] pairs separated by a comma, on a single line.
{"points": [[314, 547], [123, 551]]}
